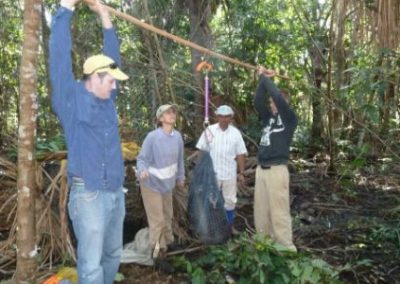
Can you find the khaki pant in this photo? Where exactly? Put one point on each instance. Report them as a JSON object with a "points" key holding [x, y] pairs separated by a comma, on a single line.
{"points": [[159, 214], [272, 206]]}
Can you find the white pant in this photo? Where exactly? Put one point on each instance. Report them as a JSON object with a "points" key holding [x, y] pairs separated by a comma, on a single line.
{"points": [[229, 192]]}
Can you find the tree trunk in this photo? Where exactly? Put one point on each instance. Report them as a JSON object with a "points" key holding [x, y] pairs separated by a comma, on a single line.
{"points": [[168, 90], [3, 110], [331, 97], [155, 88], [26, 240], [46, 125], [200, 33], [338, 47], [316, 99]]}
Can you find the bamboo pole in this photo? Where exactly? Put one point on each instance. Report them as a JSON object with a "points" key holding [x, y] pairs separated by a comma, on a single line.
{"points": [[179, 40]]}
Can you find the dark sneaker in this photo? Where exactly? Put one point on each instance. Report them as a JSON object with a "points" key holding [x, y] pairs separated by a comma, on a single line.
{"points": [[174, 247], [163, 265], [235, 232]]}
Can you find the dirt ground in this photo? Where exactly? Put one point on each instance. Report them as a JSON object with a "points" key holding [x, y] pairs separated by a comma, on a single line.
{"points": [[135, 274], [334, 218]]}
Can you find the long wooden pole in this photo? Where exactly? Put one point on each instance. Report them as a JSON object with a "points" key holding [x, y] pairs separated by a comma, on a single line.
{"points": [[180, 40]]}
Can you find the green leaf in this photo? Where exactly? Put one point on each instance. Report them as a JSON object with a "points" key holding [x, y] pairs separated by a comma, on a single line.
{"points": [[262, 276], [198, 276], [306, 275], [119, 277]]}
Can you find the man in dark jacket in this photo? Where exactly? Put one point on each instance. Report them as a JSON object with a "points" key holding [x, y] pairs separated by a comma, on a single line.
{"points": [[271, 197]]}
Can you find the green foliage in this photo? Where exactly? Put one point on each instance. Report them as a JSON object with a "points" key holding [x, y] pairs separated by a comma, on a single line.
{"points": [[277, 34], [352, 161], [354, 156], [259, 32], [385, 233], [10, 51], [53, 144], [257, 259], [395, 212], [301, 138], [119, 277], [43, 146], [253, 127]]}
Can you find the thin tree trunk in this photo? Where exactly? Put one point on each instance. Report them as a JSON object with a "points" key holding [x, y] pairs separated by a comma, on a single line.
{"points": [[339, 14], [330, 93], [156, 93], [339, 51], [3, 109], [316, 99], [46, 125], [166, 79], [153, 82], [387, 109], [26, 234], [317, 72], [200, 33]]}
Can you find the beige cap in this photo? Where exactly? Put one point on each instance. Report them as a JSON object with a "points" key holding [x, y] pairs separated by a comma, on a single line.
{"points": [[163, 109], [101, 63]]}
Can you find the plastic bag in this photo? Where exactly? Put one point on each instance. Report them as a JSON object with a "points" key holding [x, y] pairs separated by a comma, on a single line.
{"points": [[206, 204]]}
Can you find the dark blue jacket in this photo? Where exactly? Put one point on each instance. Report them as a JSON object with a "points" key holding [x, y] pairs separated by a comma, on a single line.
{"points": [[278, 129]]}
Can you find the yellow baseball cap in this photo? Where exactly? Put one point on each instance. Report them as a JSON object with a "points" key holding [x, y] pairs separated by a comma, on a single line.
{"points": [[101, 63]]}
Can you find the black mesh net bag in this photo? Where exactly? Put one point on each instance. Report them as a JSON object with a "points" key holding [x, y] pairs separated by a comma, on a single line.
{"points": [[206, 204]]}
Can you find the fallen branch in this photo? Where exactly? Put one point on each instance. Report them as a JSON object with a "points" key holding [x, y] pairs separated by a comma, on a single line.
{"points": [[188, 250], [249, 228]]}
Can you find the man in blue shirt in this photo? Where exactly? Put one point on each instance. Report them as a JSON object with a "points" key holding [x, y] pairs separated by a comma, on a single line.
{"points": [[88, 116]]}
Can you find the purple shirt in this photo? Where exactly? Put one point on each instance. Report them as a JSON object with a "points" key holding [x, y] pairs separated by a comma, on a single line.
{"points": [[162, 156]]}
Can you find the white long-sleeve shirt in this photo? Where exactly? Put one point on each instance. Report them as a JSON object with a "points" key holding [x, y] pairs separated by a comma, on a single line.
{"points": [[223, 146]]}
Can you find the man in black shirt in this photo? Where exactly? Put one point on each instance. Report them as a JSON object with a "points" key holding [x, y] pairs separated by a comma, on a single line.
{"points": [[271, 197]]}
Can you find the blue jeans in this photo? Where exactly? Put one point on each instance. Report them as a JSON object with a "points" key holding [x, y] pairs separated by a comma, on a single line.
{"points": [[97, 218]]}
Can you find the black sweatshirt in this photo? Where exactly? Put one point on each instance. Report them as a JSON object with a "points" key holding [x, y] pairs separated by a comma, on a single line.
{"points": [[278, 129]]}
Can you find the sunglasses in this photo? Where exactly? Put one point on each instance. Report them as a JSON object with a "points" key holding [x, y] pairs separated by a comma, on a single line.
{"points": [[111, 66]]}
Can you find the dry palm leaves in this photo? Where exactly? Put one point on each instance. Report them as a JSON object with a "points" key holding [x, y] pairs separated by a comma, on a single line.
{"points": [[54, 239], [53, 236], [8, 174]]}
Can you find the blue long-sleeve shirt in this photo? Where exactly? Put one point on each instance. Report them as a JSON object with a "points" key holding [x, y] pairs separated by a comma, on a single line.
{"points": [[162, 156], [90, 124]]}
